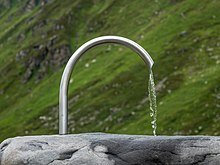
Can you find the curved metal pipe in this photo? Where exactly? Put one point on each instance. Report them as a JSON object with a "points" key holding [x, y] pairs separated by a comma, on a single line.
{"points": [[63, 96]]}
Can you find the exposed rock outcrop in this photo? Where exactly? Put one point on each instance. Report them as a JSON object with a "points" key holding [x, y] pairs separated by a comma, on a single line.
{"points": [[31, 4], [40, 57], [110, 149]]}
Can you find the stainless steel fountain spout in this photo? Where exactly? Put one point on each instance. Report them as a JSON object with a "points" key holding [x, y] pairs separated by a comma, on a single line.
{"points": [[63, 101]]}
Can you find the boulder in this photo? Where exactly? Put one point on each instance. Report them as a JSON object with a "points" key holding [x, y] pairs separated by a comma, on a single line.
{"points": [[110, 149]]}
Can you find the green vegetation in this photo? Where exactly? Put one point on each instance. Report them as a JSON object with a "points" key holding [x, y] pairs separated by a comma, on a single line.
{"points": [[108, 89]]}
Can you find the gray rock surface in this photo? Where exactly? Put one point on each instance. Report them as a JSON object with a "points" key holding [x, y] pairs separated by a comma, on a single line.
{"points": [[110, 149]]}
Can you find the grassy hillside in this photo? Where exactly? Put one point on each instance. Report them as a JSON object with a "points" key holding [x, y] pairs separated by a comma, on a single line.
{"points": [[108, 87]]}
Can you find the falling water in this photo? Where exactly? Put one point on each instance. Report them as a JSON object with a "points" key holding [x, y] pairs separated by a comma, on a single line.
{"points": [[153, 102]]}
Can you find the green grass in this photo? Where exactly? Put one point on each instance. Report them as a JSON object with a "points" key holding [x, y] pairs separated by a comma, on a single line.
{"points": [[110, 95]]}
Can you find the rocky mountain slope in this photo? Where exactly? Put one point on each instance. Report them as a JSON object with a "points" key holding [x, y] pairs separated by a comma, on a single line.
{"points": [[108, 88]]}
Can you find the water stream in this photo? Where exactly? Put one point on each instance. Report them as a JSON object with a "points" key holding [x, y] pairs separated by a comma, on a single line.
{"points": [[153, 102]]}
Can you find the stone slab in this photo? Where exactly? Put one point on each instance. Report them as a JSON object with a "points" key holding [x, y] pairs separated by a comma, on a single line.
{"points": [[109, 149]]}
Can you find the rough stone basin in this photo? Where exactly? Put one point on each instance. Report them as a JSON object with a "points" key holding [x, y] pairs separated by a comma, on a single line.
{"points": [[110, 149]]}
